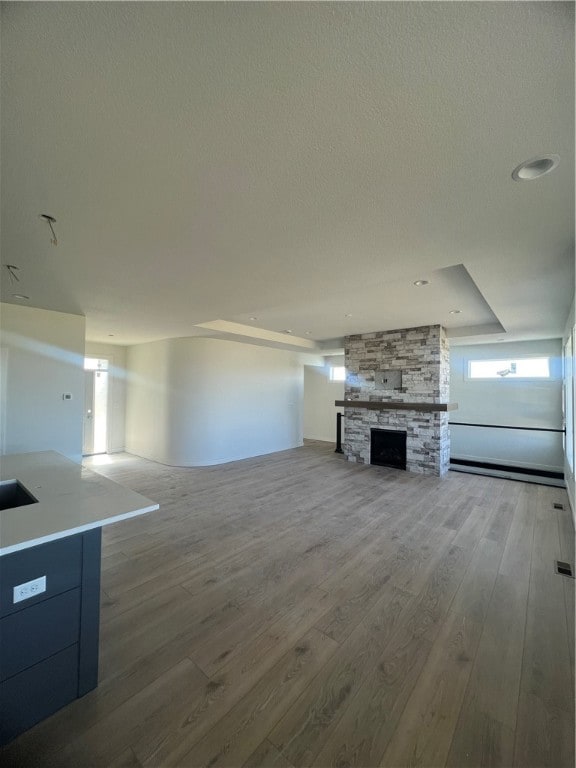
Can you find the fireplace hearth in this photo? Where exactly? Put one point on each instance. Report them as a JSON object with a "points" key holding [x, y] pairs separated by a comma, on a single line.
{"points": [[388, 448]]}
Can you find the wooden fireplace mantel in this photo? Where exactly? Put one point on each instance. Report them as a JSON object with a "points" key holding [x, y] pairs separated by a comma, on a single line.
{"points": [[388, 405]]}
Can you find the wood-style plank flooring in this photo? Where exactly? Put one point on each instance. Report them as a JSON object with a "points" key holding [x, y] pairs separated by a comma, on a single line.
{"points": [[296, 610]]}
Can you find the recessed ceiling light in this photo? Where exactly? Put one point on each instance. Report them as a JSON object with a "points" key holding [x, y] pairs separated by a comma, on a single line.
{"points": [[533, 169], [348, 315], [455, 311], [253, 318], [287, 330], [21, 296], [420, 282]]}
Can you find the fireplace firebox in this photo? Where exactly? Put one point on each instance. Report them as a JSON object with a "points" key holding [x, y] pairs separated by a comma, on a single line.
{"points": [[388, 448]]}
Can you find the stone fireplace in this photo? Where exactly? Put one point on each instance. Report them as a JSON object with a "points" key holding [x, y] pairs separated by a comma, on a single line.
{"points": [[399, 381]]}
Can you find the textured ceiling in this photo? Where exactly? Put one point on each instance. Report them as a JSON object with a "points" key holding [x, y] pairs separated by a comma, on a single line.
{"points": [[293, 162]]}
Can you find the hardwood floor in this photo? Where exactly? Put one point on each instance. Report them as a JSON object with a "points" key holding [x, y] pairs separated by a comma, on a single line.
{"points": [[295, 610]]}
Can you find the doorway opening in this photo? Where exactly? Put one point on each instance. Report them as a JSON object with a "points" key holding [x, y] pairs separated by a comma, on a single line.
{"points": [[95, 406]]}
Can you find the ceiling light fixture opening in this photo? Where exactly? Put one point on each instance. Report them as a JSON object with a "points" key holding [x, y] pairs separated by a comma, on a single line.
{"points": [[51, 221], [533, 169], [455, 311], [419, 283], [13, 273], [21, 296]]}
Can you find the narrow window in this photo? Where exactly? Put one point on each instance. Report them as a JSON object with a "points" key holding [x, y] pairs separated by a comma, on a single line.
{"points": [[337, 373], [520, 368]]}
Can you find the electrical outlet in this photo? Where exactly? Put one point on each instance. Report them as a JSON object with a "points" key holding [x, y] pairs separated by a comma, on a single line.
{"points": [[29, 589]]}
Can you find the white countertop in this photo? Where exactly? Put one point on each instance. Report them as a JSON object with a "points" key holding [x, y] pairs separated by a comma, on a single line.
{"points": [[71, 499]]}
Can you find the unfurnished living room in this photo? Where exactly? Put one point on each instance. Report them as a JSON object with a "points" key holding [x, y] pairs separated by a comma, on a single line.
{"points": [[287, 354]]}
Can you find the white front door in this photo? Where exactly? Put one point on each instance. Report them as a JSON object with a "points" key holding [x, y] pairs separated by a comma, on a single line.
{"points": [[88, 445]]}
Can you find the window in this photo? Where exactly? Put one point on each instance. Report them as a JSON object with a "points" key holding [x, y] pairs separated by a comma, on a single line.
{"points": [[568, 400], [337, 373], [95, 364], [521, 368]]}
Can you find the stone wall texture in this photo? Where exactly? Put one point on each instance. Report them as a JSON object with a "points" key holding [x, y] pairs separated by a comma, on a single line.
{"points": [[422, 354]]}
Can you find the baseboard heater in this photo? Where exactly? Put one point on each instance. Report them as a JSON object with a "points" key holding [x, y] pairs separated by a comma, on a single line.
{"points": [[509, 468]]}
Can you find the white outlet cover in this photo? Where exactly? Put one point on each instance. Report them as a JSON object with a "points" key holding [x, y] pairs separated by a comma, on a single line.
{"points": [[29, 589]]}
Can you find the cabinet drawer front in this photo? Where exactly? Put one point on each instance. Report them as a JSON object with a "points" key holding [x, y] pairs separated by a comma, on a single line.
{"points": [[40, 631], [60, 561], [29, 697]]}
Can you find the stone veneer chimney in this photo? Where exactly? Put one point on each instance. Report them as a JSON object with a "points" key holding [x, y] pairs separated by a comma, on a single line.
{"points": [[422, 356]]}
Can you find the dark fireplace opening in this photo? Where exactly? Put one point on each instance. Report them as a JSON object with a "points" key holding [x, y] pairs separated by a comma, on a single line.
{"points": [[388, 448]]}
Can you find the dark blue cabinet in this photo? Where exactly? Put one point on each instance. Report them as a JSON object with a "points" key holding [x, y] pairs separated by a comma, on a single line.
{"points": [[48, 643]]}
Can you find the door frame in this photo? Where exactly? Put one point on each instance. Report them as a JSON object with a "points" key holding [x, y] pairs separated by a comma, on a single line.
{"points": [[111, 389]]}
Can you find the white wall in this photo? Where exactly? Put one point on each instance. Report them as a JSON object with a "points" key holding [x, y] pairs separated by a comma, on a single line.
{"points": [[535, 403], [42, 358], [200, 401], [147, 401], [570, 391], [319, 396], [116, 355]]}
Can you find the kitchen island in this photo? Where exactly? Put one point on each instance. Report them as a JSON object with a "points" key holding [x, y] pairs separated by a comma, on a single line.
{"points": [[51, 516]]}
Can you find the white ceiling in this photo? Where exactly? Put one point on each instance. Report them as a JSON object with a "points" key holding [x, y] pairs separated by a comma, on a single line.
{"points": [[293, 162]]}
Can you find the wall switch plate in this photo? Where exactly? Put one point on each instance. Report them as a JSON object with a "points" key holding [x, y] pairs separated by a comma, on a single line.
{"points": [[29, 589]]}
